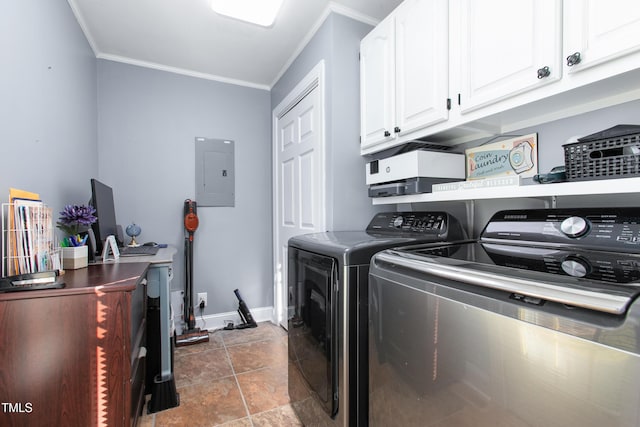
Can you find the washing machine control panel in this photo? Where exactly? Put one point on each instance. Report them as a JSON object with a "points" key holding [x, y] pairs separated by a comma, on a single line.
{"points": [[598, 228]]}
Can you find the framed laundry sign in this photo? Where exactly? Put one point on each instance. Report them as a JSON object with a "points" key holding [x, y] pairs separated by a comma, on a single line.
{"points": [[511, 157]]}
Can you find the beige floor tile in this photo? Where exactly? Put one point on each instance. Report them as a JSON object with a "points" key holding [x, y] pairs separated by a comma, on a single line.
{"points": [[264, 389], [215, 342], [210, 394], [242, 422], [264, 331], [205, 404], [258, 354], [146, 420], [282, 416], [200, 367]]}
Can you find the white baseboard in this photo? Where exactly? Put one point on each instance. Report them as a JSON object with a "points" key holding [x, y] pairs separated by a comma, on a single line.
{"points": [[217, 321]]}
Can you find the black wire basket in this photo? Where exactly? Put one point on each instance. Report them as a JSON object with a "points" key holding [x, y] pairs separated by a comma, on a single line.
{"points": [[613, 153]]}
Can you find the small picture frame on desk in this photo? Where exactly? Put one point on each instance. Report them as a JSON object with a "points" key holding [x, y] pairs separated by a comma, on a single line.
{"points": [[110, 251]]}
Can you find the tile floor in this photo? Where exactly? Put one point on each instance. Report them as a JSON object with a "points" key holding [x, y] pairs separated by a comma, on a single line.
{"points": [[237, 379]]}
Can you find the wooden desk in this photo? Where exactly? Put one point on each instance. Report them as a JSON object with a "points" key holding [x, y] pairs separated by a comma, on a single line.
{"points": [[160, 381], [74, 356]]}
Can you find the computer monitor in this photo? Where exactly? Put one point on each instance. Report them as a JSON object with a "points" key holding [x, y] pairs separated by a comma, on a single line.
{"points": [[102, 201]]}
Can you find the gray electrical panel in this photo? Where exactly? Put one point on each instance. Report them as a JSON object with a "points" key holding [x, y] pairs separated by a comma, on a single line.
{"points": [[215, 172]]}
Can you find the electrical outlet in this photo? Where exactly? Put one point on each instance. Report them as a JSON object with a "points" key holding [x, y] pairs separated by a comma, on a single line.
{"points": [[202, 297]]}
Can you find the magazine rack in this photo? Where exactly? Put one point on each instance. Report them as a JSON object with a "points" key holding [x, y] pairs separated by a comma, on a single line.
{"points": [[29, 243]]}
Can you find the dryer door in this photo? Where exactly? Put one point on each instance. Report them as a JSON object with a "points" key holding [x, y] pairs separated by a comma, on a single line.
{"points": [[313, 325]]}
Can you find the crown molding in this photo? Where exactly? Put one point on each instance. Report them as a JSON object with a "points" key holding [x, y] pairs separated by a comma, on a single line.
{"points": [[181, 71], [332, 7], [83, 26]]}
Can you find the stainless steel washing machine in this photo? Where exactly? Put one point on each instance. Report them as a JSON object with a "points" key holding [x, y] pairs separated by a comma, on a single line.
{"points": [[537, 323]]}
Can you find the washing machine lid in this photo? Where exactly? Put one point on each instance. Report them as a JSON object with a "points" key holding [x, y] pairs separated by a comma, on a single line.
{"points": [[351, 247], [580, 257], [385, 230]]}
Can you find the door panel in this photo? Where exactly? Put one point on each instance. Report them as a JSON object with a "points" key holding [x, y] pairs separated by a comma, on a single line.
{"points": [[287, 134], [308, 178], [422, 64], [288, 200], [600, 30], [377, 83], [313, 326], [503, 45], [454, 363]]}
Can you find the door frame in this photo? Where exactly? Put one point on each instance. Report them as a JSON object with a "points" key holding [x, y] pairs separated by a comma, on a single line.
{"points": [[315, 78]]}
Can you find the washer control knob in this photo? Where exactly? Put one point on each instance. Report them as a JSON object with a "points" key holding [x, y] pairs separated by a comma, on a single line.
{"points": [[397, 222], [574, 226], [576, 266]]}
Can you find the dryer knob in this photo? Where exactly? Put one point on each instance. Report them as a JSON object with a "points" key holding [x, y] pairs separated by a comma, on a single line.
{"points": [[576, 266], [397, 222], [574, 226]]}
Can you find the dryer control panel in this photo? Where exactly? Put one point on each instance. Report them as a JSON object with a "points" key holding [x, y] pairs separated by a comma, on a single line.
{"points": [[436, 223]]}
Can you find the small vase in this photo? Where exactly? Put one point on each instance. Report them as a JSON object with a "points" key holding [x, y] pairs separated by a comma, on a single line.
{"points": [[75, 257]]}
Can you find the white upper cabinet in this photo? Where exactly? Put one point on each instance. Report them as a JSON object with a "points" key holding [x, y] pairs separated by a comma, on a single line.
{"points": [[599, 31], [422, 61], [505, 48], [505, 65], [404, 72], [377, 84]]}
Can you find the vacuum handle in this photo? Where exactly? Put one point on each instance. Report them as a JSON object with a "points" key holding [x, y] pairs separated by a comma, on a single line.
{"points": [[191, 221]]}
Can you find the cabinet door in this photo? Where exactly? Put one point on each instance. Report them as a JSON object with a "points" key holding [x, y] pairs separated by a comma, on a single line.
{"points": [[377, 90], [503, 44], [422, 64], [600, 31]]}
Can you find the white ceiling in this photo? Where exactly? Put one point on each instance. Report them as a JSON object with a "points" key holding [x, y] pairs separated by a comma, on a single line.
{"points": [[187, 37]]}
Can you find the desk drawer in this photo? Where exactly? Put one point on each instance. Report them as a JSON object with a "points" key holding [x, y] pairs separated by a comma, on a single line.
{"points": [[138, 313], [138, 370], [138, 350]]}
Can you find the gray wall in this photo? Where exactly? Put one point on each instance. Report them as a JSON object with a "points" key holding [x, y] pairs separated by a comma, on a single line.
{"points": [[48, 110], [133, 128], [338, 43], [147, 123]]}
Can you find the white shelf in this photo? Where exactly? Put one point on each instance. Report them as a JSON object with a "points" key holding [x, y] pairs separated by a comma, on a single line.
{"points": [[582, 188]]}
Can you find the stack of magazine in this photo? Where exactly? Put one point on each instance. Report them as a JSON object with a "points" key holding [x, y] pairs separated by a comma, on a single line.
{"points": [[29, 243]]}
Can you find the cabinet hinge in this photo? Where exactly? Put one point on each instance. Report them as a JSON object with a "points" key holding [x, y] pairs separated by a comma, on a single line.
{"points": [[448, 103]]}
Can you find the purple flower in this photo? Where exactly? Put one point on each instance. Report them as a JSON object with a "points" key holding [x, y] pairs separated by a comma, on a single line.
{"points": [[76, 218]]}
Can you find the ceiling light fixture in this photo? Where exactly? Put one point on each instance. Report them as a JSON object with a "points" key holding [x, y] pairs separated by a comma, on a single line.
{"points": [[260, 12]]}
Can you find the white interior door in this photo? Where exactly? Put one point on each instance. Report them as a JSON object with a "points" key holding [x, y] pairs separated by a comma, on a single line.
{"points": [[299, 182]]}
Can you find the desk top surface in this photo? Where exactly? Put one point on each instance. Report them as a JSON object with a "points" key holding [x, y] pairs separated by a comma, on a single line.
{"points": [[112, 276], [164, 255]]}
